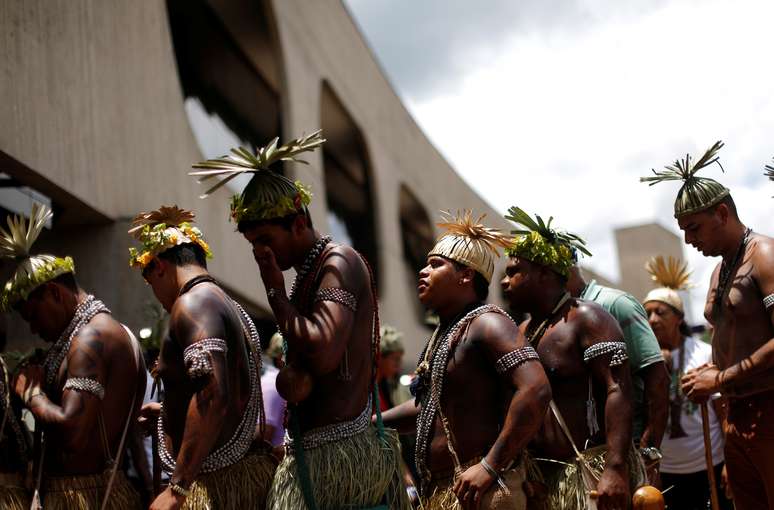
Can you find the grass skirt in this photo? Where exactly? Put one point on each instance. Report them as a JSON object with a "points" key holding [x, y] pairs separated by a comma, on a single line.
{"points": [[243, 485], [442, 497], [356, 473], [86, 492], [13, 495], [564, 480]]}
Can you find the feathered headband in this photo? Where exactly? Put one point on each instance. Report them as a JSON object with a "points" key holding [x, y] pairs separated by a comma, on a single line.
{"points": [[539, 243], [32, 270], [696, 193], [469, 242], [672, 275], [269, 194], [161, 230]]}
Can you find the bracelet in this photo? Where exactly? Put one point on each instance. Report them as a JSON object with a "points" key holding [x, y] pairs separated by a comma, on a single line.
{"points": [[489, 469], [179, 490]]}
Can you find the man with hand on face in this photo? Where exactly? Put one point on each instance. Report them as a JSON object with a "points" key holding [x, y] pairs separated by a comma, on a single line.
{"points": [[740, 308], [582, 350], [330, 324], [481, 392], [90, 385], [210, 365]]}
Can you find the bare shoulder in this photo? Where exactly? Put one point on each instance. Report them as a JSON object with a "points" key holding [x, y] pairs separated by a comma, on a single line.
{"points": [[763, 254], [200, 312], [594, 323], [344, 264], [496, 327]]}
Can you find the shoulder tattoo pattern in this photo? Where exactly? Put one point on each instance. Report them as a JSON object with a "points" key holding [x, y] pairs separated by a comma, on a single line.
{"points": [[617, 348], [86, 385], [198, 356], [337, 295], [515, 358]]}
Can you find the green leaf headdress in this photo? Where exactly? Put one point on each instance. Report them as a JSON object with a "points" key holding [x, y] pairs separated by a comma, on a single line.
{"points": [[539, 243], [697, 193], [32, 270], [162, 229], [269, 194], [672, 275], [469, 242]]}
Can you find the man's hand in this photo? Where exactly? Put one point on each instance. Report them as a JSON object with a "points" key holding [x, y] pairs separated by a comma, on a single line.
{"points": [[613, 490], [471, 486], [270, 271], [149, 414], [701, 383], [167, 500], [725, 485], [29, 379]]}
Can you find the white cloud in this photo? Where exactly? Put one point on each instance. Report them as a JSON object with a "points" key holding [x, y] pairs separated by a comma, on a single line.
{"points": [[564, 124]]}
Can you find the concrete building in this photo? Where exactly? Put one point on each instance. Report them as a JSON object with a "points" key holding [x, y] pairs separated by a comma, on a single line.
{"points": [[106, 103]]}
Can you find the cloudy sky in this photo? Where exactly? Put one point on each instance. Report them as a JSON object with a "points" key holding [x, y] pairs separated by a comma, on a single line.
{"points": [[569, 102]]}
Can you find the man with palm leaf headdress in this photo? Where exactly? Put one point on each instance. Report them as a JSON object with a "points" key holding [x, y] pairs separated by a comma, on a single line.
{"points": [[683, 466], [583, 352], [480, 390], [90, 384], [330, 325], [740, 307], [210, 365]]}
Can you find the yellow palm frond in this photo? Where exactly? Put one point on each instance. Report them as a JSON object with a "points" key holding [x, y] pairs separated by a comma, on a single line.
{"points": [[671, 273], [17, 241], [462, 224]]}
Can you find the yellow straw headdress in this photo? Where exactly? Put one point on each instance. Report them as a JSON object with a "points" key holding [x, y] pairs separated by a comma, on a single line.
{"points": [[469, 242], [162, 229], [539, 243], [672, 275], [32, 270], [696, 193], [269, 194]]}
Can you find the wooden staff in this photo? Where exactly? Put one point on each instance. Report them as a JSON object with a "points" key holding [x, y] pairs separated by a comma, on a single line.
{"points": [[708, 456]]}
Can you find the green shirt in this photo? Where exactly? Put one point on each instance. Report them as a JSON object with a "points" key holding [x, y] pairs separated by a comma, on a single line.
{"points": [[641, 344]]}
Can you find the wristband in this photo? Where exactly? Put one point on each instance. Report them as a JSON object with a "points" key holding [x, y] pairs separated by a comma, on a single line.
{"points": [[179, 490], [489, 469]]}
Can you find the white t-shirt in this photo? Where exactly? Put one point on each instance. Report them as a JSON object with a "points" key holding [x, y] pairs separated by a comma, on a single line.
{"points": [[685, 455]]}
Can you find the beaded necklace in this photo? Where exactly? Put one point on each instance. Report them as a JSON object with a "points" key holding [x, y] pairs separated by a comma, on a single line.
{"points": [[84, 312], [724, 278], [534, 335], [309, 263]]}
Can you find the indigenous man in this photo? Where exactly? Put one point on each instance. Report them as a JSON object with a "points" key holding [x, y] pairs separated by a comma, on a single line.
{"points": [[740, 307], [14, 445], [650, 380], [582, 349], [331, 329], [90, 384], [210, 365], [480, 389]]}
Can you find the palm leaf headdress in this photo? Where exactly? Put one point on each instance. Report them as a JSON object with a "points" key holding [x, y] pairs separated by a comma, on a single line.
{"points": [[671, 273], [540, 243], [162, 229], [470, 242], [32, 270], [769, 171], [697, 193]]}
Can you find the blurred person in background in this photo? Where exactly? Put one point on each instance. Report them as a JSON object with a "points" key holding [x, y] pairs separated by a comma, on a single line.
{"points": [[273, 404], [683, 466]]}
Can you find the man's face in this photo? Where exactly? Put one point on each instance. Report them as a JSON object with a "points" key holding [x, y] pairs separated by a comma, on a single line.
{"points": [[44, 312], [438, 280], [703, 230], [663, 321], [282, 241], [518, 282], [160, 275]]}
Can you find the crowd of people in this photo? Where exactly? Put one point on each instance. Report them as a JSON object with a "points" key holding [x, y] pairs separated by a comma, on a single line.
{"points": [[594, 400]]}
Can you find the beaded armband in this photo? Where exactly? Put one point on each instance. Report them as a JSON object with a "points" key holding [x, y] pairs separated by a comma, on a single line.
{"points": [[617, 348], [768, 301], [86, 385], [515, 358], [198, 357], [337, 295]]}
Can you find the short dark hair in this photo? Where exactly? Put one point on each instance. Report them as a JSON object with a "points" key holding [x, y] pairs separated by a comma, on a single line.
{"points": [[285, 222], [185, 255], [728, 202], [68, 281], [480, 285]]}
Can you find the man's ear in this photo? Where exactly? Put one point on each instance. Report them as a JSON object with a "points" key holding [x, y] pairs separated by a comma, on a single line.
{"points": [[54, 290], [468, 275], [299, 224], [722, 212]]}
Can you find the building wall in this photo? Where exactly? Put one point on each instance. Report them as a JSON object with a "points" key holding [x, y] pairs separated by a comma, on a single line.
{"points": [[92, 116]]}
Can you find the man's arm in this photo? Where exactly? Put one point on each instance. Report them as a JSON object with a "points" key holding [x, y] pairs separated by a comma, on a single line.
{"points": [[402, 417], [656, 381], [76, 417], [322, 336], [611, 371]]}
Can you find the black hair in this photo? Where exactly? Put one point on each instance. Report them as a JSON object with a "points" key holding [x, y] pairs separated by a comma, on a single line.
{"points": [[480, 285], [68, 281], [728, 202], [285, 222], [185, 255], [685, 329]]}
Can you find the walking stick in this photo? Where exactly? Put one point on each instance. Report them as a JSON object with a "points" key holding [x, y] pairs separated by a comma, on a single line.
{"points": [[708, 457]]}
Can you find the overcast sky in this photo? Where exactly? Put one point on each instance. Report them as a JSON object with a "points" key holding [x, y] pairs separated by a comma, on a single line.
{"points": [[570, 102]]}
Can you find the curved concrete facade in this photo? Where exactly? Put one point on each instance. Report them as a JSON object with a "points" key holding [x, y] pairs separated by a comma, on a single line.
{"points": [[93, 117]]}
